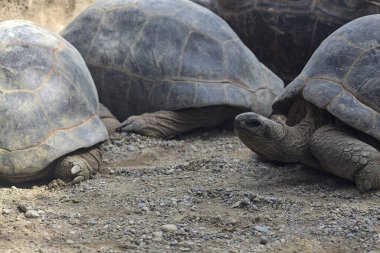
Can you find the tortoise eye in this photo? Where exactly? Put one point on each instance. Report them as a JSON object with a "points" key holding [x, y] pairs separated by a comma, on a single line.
{"points": [[253, 123]]}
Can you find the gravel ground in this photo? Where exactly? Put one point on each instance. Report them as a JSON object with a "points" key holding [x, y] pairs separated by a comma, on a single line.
{"points": [[200, 192]]}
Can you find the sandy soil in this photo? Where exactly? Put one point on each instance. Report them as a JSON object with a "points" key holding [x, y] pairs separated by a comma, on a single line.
{"points": [[51, 14], [200, 192]]}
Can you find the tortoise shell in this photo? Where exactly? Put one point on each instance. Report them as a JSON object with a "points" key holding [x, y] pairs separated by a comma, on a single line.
{"points": [[48, 101], [151, 55], [343, 76], [284, 34]]}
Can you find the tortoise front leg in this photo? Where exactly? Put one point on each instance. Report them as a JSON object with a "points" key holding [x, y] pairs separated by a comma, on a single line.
{"points": [[166, 124], [346, 156], [108, 119], [79, 165]]}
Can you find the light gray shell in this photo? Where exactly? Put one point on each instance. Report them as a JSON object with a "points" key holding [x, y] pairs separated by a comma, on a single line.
{"points": [[151, 55], [48, 101], [343, 76]]}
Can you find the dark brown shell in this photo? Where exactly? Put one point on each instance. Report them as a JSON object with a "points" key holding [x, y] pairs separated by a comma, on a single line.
{"points": [[283, 34]]}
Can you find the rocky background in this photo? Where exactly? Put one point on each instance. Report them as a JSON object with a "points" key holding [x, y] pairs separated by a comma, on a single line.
{"points": [[200, 192]]}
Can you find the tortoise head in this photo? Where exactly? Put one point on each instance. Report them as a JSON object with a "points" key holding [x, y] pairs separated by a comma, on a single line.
{"points": [[258, 133]]}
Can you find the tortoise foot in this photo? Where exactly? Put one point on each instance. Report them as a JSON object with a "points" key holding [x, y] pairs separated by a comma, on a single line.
{"points": [[369, 177], [166, 124], [78, 166], [108, 119], [159, 124]]}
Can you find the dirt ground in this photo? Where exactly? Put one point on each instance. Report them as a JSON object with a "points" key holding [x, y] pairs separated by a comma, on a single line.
{"points": [[51, 14], [200, 192]]}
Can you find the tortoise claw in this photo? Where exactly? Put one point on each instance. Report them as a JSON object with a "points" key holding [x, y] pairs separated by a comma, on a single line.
{"points": [[77, 180], [129, 125], [75, 169], [127, 128], [82, 174]]}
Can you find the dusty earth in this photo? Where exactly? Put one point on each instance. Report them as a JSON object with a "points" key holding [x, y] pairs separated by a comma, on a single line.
{"points": [[200, 192], [51, 14]]}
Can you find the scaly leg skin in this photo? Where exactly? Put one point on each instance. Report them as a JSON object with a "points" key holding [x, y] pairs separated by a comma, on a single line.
{"points": [[79, 165], [108, 119], [346, 156], [166, 124]]}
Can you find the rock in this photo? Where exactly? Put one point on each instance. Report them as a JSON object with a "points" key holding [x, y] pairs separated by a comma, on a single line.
{"points": [[32, 214], [263, 240], [157, 234], [68, 241], [92, 222], [261, 229], [170, 171], [118, 143], [131, 148], [236, 204], [169, 228], [22, 208], [6, 211]]}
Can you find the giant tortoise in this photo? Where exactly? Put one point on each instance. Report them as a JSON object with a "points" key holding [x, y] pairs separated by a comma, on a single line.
{"points": [[283, 34], [49, 107], [173, 64], [333, 109]]}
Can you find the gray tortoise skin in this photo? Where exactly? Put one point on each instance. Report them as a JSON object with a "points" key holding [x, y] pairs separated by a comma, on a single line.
{"points": [[283, 34], [49, 103], [152, 55], [339, 89]]}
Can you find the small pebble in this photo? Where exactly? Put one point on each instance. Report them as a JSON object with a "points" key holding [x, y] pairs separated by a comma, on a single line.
{"points": [[118, 143], [169, 228], [171, 171], [157, 234], [92, 222], [6, 211], [131, 148], [22, 208], [263, 240], [261, 229], [32, 214]]}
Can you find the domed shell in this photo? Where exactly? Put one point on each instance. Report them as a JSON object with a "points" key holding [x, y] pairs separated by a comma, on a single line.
{"points": [[48, 101], [343, 76], [152, 55], [284, 34]]}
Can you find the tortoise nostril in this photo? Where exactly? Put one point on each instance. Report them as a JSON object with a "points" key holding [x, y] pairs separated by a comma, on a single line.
{"points": [[253, 123]]}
